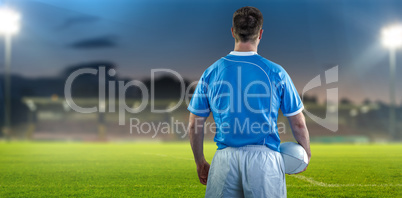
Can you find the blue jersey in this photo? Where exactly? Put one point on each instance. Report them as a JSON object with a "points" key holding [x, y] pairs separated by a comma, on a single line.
{"points": [[244, 92]]}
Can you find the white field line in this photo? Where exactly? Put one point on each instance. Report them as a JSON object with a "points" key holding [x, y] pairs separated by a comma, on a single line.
{"points": [[322, 184]]}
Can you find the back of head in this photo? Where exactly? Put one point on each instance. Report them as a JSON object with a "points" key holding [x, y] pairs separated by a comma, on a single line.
{"points": [[247, 22]]}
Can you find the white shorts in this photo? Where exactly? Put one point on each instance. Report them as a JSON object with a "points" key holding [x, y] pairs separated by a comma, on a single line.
{"points": [[249, 171]]}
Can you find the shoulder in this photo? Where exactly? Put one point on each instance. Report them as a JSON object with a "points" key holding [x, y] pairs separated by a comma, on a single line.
{"points": [[274, 68], [212, 69]]}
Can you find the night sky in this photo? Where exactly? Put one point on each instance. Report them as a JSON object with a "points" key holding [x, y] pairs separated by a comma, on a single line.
{"points": [[306, 37]]}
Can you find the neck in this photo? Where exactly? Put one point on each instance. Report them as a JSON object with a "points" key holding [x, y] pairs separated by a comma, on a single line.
{"points": [[245, 47]]}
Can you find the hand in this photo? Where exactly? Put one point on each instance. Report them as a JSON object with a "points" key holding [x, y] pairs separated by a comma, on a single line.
{"points": [[203, 170]]}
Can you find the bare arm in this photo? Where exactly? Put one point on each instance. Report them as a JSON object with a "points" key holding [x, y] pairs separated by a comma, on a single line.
{"points": [[196, 133], [300, 132]]}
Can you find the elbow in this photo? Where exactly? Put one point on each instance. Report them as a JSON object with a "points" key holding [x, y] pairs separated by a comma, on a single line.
{"points": [[298, 122], [300, 125], [191, 124], [191, 127]]}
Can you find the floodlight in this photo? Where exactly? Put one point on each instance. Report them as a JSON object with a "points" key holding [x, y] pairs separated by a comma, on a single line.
{"points": [[9, 21], [392, 36]]}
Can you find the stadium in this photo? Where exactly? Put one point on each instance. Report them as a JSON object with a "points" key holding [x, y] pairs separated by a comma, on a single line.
{"points": [[95, 94]]}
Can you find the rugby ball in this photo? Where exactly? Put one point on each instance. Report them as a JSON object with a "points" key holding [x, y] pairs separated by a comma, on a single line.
{"points": [[294, 157]]}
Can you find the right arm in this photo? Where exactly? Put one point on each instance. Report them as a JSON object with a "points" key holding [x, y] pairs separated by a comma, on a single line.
{"points": [[300, 132], [196, 133]]}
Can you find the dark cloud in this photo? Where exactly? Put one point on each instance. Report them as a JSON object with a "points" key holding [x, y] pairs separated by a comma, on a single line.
{"points": [[83, 19], [99, 42]]}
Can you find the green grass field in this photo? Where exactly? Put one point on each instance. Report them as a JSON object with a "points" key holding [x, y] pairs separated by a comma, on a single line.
{"points": [[167, 170]]}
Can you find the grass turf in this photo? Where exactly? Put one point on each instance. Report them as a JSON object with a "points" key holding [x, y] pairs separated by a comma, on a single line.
{"points": [[167, 170]]}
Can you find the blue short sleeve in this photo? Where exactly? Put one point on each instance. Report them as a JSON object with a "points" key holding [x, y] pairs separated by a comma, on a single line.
{"points": [[199, 104], [291, 103]]}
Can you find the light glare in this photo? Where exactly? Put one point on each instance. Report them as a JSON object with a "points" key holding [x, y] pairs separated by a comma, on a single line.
{"points": [[392, 36], [9, 21]]}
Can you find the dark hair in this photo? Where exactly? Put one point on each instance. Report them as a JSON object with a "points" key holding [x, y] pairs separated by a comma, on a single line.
{"points": [[247, 22]]}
